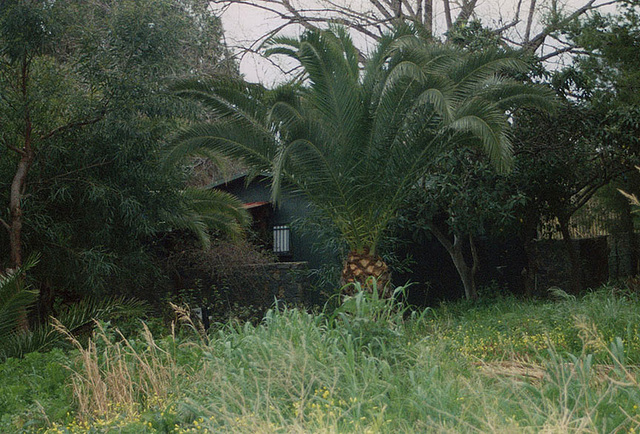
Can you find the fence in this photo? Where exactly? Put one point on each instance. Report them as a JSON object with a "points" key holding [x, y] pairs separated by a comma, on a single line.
{"points": [[591, 221]]}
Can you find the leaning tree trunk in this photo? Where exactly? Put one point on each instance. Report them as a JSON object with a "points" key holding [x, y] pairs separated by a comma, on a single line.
{"points": [[15, 204], [19, 182], [456, 252], [18, 187], [467, 273], [360, 267], [16, 217]]}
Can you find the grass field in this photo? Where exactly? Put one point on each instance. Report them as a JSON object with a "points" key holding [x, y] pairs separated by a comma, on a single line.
{"points": [[503, 365]]}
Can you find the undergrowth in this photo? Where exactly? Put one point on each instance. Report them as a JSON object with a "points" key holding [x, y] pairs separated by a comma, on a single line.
{"points": [[369, 366]]}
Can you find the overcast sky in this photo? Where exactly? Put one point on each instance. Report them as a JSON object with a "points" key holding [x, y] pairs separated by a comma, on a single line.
{"points": [[245, 24]]}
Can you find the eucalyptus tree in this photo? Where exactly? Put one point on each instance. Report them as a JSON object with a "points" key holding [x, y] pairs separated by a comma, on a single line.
{"points": [[354, 141], [83, 114]]}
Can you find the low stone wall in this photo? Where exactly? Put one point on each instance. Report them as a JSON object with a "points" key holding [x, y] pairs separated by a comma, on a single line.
{"points": [[284, 281]]}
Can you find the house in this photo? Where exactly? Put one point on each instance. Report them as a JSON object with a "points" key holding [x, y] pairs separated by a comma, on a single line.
{"points": [[276, 224]]}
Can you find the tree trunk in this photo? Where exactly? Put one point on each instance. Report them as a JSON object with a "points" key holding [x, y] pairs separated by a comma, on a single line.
{"points": [[529, 273], [19, 182], [629, 228], [15, 206], [46, 297], [527, 32], [428, 16], [447, 14], [18, 186], [466, 273], [456, 251], [529, 234], [574, 259], [359, 267]]}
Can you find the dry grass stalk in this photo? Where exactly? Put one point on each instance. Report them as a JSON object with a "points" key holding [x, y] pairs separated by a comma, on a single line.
{"points": [[124, 377], [183, 315], [512, 369]]}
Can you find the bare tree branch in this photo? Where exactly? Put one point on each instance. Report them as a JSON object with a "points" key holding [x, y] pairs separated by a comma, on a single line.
{"points": [[371, 18], [5, 224], [14, 149], [536, 42], [82, 169], [568, 49], [468, 8]]}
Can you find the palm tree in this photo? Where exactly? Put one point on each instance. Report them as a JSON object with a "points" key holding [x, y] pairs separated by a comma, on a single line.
{"points": [[355, 141]]}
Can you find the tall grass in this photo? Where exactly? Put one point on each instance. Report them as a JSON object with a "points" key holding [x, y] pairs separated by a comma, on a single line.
{"points": [[373, 367], [123, 375]]}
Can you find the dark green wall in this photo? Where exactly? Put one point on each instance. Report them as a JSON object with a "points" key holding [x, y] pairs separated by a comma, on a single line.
{"points": [[290, 207]]}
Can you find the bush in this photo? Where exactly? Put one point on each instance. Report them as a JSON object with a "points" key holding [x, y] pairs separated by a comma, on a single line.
{"points": [[229, 279]]}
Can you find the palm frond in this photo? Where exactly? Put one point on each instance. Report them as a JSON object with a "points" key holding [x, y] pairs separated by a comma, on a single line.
{"points": [[481, 66], [205, 210], [494, 140], [15, 299], [76, 318], [227, 138], [508, 94]]}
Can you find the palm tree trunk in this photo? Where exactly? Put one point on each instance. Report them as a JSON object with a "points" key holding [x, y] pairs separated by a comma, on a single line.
{"points": [[360, 267]]}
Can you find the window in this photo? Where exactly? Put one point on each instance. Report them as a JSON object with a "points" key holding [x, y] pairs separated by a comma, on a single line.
{"points": [[281, 237]]}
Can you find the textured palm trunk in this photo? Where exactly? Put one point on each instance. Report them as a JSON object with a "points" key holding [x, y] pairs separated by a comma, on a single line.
{"points": [[360, 267]]}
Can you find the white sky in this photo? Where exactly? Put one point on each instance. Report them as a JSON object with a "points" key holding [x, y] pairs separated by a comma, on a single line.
{"points": [[244, 24]]}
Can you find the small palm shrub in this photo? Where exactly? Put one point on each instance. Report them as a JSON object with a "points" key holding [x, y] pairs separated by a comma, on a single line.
{"points": [[16, 299]]}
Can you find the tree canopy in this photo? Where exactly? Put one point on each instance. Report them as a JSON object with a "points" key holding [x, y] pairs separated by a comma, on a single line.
{"points": [[84, 114]]}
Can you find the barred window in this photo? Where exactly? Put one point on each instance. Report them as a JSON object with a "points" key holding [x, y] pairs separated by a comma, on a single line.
{"points": [[281, 239]]}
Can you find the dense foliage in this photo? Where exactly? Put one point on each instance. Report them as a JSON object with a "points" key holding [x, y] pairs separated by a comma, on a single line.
{"points": [[356, 143], [84, 116]]}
